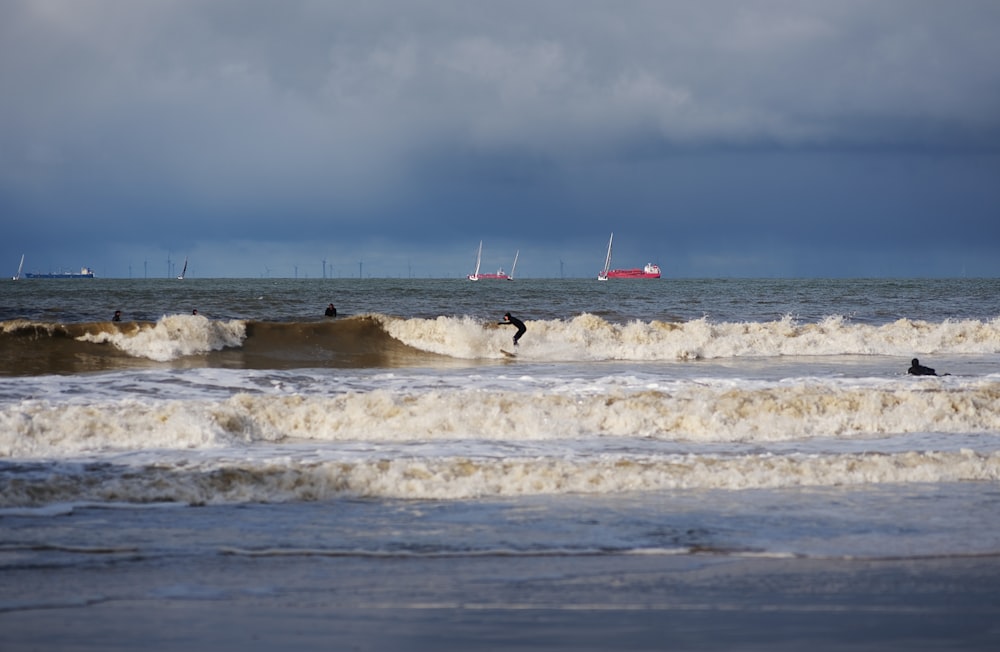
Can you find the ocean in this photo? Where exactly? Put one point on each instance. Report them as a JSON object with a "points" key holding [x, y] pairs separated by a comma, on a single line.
{"points": [[394, 459]]}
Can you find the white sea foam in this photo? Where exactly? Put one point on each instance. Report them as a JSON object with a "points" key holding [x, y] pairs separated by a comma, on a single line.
{"points": [[588, 337], [683, 411], [281, 480], [174, 336]]}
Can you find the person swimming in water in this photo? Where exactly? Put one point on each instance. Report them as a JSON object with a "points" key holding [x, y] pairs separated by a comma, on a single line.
{"points": [[331, 311], [514, 321], [118, 316], [917, 369]]}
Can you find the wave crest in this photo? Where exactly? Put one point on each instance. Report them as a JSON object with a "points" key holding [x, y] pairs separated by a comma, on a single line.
{"points": [[377, 340], [588, 337], [695, 413], [465, 477], [172, 337]]}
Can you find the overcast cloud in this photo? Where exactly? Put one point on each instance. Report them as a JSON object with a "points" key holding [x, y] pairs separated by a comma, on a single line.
{"points": [[718, 138]]}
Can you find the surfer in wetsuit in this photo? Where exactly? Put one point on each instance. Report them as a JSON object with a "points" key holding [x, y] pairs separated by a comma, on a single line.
{"points": [[514, 321], [917, 369], [331, 311], [118, 316]]}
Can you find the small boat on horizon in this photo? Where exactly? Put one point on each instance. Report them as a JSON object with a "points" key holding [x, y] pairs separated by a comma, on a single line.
{"points": [[499, 275], [20, 270], [183, 271], [651, 270], [514, 266]]}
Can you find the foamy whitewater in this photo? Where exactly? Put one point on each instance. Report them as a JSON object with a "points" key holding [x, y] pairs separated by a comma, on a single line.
{"points": [[672, 417]]}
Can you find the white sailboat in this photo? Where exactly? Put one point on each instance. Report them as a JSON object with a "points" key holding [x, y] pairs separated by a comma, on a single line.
{"points": [[510, 277], [603, 276], [184, 270], [20, 269], [479, 259]]}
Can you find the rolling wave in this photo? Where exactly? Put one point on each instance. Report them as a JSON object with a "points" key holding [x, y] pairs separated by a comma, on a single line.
{"points": [[692, 413], [468, 477], [375, 340]]}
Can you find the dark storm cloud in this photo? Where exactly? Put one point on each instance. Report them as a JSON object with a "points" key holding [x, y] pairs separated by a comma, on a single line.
{"points": [[723, 137]]}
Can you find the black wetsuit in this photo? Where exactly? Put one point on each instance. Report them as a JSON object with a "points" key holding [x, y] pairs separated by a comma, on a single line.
{"points": [[507, 319], [918, 369], [331, 311]]}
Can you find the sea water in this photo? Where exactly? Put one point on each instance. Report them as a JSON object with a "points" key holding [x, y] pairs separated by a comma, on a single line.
{"points": [[653, 417]]}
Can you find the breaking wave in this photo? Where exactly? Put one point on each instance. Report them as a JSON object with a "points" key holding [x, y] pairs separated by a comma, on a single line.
{"points": [[467, 477], [378, 340], [692, 412]]}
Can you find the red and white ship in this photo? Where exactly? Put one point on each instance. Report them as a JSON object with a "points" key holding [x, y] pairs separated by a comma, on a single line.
{"points": [[499, 275], [651, 270]]}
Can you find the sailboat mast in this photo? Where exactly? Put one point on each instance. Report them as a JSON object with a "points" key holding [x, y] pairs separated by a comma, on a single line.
{"points": [[479, 259], [20, 269], [603, 276]]}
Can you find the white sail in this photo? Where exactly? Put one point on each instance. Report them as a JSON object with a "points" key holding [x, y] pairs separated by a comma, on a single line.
{"points": [[20, 269], [479, 259], [603, 276], [184, 270], [510, 277]]}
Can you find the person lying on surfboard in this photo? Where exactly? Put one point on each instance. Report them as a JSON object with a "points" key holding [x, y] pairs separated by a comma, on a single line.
{"points": [[514, 321], [918, 369]]}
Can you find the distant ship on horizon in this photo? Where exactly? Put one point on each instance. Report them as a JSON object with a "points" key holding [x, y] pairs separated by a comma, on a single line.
{"points": [[651, 270], [85, 272], [499, 275]]}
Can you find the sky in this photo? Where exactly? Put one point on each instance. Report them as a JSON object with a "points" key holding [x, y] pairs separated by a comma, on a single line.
{"points": [[303, 138]]}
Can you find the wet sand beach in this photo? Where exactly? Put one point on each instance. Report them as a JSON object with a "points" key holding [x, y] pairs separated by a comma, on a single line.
{"points": [[689, 602]]}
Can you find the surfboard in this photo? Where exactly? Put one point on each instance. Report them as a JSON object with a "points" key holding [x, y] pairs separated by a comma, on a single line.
{"points": [[508, 354]]}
